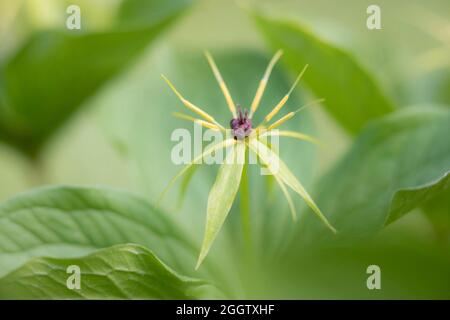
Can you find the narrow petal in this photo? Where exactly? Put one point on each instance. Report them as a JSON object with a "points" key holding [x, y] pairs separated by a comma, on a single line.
{"points": [[262, 84], [222, 84], [287, 116], [278, 168], [283, 101], [291, 134], [280, 121], [184, 185], [221, 197], [208, 151], [201, 122], [190, 105], [288, 197]]}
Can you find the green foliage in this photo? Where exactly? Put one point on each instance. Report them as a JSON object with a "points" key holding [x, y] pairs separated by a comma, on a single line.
{"points": [[72, 221], [351, 95], [396, 164], [56, 71], [126, 247], [222, 195], [120, 272]]}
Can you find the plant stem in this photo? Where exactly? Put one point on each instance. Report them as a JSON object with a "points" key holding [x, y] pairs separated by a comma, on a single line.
{"points": [[245, 210]]}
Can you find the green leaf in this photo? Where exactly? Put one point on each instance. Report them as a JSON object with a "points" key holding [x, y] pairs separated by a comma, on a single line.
{"points": [[56, 71], [222, 195], [409, 198], [395, 165], [351, 95], [120, 272], [72, 221]]}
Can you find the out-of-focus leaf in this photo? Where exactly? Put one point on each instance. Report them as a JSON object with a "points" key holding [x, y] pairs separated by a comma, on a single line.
{"points": [[351, 95], [120, 272], [410, 269], [144, 12], [222, 195], [54, 72], [70, 221], [396, 164], [407, 199]]}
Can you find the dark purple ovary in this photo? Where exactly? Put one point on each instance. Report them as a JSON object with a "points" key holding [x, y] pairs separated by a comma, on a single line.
{"points": [[242, 125]]}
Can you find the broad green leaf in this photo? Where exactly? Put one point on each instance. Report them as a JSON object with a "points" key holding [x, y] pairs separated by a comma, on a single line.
{"points": [[222, 195], [56, 71], [278, 168], [407, 199], [72, 221], [120, 272], [351, 96], [396, 164]]}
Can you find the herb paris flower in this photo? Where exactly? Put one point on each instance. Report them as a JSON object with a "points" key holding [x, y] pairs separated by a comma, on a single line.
{"points": [[244, 137]]}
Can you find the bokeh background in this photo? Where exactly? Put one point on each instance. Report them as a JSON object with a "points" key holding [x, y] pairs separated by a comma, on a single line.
{"points": [[119, 134]]}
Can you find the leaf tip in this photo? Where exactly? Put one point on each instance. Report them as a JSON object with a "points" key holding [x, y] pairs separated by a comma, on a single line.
{"points": [[207, 54], [201, 257], [333, 229], [161, 197]]}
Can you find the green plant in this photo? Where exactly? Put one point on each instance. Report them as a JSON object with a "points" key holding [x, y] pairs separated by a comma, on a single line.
{"points": [[380, 178], [243, 139]]}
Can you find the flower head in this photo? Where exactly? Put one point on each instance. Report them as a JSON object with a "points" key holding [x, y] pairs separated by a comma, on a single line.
{"points": [[242, 125], [245, 137]]}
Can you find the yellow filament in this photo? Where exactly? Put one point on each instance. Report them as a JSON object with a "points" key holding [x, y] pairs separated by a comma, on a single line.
{"points": [[262, 84], [222, 84], [276, 109], [292, 134], [203, 123], [285, 98], [280, 121]]}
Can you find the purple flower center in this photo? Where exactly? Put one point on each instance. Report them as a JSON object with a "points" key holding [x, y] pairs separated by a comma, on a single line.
{"points": [[242, 125]]}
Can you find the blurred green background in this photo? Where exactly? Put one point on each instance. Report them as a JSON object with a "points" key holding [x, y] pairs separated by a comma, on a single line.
{"points": [[115, 130]]}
